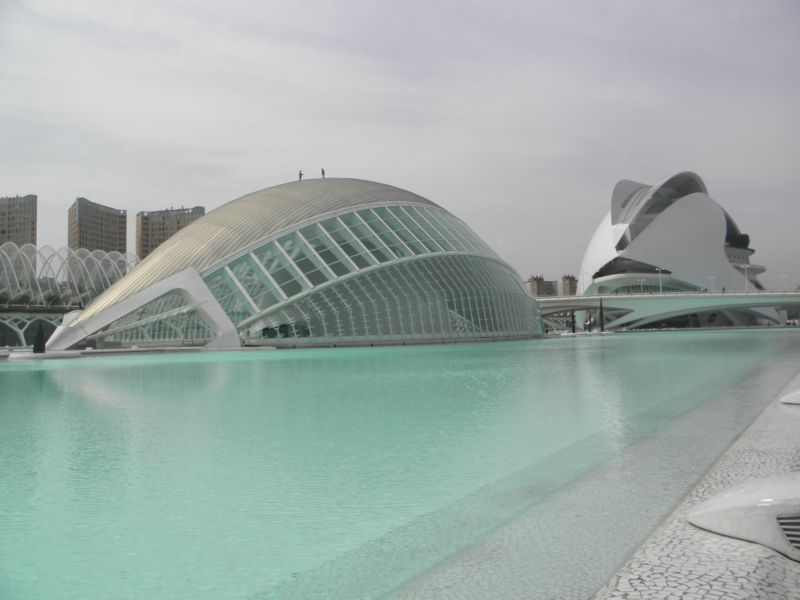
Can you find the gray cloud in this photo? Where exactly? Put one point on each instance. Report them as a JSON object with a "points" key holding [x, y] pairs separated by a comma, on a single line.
{"points": [[519, 116]]}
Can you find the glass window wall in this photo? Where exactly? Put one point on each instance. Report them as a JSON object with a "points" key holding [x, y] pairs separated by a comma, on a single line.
{"points": [[431, 231], [327, 250], [347, 242], [369, 240], [281, 270], [298, 252], [415, 229], [377, 225], [421, 298], [254, 280], [165, 319], [229, 296], [400, 230], [441, 297], [439, 220]]}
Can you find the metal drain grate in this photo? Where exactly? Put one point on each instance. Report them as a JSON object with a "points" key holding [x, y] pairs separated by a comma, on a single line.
{"points": [[791, 529]]}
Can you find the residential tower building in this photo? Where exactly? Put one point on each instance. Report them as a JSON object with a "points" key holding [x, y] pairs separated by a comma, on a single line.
{"points": [[97, 227], [541, 287], [154, 227], [18, 219]]}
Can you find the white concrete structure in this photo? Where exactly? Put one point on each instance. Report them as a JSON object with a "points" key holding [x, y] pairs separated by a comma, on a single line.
{"points": [[38, 285], [623, 311], [46, 277], [316, 262], [670, 237], [765, 511]]}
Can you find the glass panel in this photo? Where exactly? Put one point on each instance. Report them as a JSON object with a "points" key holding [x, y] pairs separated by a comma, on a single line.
{"points": [[255, 282], [366, 237], [432, 232], [374, 315], [185, 328], [388, 238], [228, 295], [445, 228], [474, 241], [356, 306], [449, 227], [342, 236], [469, 239], [309, 264], [327, 250], [442, 297], [400, 230], [423, 236], [284, 273]]}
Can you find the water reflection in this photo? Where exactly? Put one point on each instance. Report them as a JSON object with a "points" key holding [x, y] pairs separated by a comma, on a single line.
{"points": [[233, 473]]}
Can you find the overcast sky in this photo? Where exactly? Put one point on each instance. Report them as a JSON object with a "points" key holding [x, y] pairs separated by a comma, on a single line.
{"points": [[519, 117]]}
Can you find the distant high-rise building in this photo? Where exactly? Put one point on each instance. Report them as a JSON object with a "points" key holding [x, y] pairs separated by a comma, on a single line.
{"points": [[542, 287], [18, 219], [568, 285], [97, 227], [155, 226]]}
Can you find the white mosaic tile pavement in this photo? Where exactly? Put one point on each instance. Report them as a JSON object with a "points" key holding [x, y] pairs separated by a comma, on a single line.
{"points": [[682, 561]]}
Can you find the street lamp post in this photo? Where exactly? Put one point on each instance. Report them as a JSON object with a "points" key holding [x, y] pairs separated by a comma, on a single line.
{"points": [[711, 279], [659, 269], [745, 276]]}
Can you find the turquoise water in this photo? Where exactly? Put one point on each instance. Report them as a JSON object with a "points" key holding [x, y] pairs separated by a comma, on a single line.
{"points": [[253, 475]]}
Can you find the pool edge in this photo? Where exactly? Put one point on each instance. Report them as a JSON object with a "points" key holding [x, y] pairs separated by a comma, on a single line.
{"points": [[679, 560]]}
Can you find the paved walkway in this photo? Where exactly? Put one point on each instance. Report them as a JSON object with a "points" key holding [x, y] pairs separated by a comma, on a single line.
{"points": [[682, 561]]}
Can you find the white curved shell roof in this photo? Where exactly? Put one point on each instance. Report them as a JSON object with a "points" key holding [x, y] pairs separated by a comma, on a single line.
{"points": [[673, 226], [631, 199], [246, 221]]}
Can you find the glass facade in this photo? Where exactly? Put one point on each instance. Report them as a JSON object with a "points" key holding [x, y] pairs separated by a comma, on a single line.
{"points": [[166, 319], [383, 267], [448, 297], [336, 247], [379, 273]]}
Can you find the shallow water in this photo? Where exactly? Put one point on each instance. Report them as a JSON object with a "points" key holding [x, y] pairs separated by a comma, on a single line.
{"points": [[269, 474]]}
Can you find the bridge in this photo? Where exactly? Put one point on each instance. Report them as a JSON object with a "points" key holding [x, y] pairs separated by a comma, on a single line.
{"points": [[636, 310]]}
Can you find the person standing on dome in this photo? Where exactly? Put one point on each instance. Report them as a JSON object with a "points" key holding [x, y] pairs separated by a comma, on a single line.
{"points": [[300, 176]]}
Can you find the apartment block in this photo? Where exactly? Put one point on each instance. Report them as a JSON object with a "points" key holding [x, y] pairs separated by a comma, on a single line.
{"points": [[566, 286], [154, 227], [18, 219], [97, 227], [542, 287]]}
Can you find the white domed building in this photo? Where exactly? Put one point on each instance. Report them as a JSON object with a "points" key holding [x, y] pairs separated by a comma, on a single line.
{"points": [[671, 237], [320, 262]]}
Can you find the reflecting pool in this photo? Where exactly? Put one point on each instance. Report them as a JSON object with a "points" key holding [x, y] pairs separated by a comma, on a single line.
{"points": [[332, 473]]}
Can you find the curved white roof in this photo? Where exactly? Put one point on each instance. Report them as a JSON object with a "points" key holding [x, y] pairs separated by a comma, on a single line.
{"points": [[246, 221], [631, 199], [675, 227]]}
